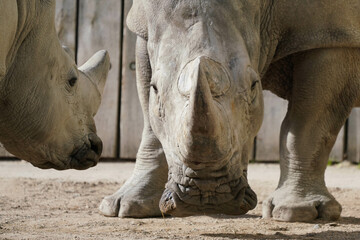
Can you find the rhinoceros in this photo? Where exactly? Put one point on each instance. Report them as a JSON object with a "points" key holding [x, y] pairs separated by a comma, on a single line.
{"points": [[47, 104], [201, 67]]}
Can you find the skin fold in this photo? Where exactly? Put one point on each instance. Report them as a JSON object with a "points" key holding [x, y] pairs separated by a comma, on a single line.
{"points": [[47, 104], [201, 69]]}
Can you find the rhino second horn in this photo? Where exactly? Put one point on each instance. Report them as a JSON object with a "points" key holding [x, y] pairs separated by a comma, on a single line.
{"points": [[96, 68]]}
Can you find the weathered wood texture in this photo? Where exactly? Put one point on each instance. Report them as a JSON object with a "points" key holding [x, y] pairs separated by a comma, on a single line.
{"points": [[131, 120], [65, 22], [337, 153], [267, 141], [353, 138], [99, 27], [3, 152]]}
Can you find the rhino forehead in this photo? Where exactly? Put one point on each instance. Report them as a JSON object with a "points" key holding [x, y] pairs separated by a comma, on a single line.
{"points": [[181, 13], [158, 15]]}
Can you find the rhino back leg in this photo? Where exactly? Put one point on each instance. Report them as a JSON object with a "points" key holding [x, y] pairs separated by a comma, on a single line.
{"points": [[326, 85], [140, 195]]}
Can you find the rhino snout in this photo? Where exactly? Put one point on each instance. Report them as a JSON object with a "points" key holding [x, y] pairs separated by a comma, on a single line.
{"points": [[88, 154]]}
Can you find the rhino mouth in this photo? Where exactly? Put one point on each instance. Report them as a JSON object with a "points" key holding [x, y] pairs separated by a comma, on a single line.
{"points": [[224, 195], [85, 155], [82, 158]]}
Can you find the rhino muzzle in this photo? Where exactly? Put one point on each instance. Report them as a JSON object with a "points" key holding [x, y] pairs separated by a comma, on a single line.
{"points": [[88, 154], [83, 156], [233, 197]]}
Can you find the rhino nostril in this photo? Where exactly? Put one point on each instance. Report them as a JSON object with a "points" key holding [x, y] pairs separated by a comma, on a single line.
{"points": [[95, 143]]}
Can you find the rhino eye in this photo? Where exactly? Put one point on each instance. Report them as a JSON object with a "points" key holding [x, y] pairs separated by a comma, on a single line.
{"points": [[253, 85], [72, 81], [153, 86]]}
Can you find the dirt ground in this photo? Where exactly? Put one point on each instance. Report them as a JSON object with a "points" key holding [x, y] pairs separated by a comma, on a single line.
{"points": [[47, 204]]}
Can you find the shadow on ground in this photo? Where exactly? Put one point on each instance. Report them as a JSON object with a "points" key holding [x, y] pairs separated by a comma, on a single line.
{"points": [[278, 235]]}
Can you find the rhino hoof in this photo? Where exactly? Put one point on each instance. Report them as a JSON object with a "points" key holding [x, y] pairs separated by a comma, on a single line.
{"points": [[109, 206], [301, 209]]}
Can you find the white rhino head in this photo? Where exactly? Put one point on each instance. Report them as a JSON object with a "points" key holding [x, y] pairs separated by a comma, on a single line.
{"points": [[47, 104], [205, 102]]}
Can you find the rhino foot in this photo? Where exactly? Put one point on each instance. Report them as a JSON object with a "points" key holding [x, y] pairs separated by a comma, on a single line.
{"points": [[286, 204], [138, 197]]}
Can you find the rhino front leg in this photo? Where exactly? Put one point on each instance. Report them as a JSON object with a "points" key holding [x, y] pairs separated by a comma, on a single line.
{"points": [[140, 195], [325, 88]]}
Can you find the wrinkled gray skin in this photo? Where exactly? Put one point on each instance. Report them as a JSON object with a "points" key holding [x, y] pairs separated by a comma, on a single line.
{"points": [[47, 104], [201, 68]]}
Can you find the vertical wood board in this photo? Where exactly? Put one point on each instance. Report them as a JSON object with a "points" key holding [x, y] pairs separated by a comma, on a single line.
{"points": [[4, 153], [337, 153], [65, 22], [99, 27], [267, 140], [131, 119], [353, 141]]}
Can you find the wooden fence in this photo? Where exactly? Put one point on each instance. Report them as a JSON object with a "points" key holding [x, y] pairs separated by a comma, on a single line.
{"points": [[87, 26]]}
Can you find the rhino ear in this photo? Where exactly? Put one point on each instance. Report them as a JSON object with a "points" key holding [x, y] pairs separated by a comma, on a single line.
{"points": [[136, 19]]}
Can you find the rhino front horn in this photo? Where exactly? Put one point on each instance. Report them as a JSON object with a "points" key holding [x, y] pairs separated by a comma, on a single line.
{"points": [[96, 68]]}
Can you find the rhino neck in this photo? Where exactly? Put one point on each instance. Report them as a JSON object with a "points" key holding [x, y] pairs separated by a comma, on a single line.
{"points": [[20, 89], [24, 23]]}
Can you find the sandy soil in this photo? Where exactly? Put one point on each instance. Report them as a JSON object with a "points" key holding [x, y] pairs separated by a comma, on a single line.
{"points": [[46, 204]]}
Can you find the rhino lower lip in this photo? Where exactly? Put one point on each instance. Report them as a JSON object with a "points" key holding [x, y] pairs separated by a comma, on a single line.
{"points": [[83, 158], [81, 165], [49, 165]]}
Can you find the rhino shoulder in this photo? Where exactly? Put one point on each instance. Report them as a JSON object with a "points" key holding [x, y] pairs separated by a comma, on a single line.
{"points": [[306, 25]]}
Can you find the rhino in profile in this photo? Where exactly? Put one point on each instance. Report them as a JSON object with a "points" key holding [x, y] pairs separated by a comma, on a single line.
{"points": [[201, 68], [47, 104]]}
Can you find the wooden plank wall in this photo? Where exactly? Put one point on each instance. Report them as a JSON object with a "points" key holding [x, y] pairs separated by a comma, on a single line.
{"points": [[99, 27], [353, 137], [88, 26], [267, 140], [131, 120]]}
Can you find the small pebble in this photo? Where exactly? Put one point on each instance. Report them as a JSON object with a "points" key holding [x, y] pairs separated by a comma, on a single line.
{"points": [[316, 226]]}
